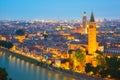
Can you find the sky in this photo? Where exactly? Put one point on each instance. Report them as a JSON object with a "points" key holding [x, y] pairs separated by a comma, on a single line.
{"points": [[58, 9]]}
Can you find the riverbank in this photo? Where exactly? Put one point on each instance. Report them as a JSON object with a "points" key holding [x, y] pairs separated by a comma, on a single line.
{"points": [[19, 55], [44, 65]]}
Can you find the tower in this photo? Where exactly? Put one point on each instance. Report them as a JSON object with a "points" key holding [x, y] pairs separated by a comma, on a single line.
{"points": [[84, 23], [92, 43]]}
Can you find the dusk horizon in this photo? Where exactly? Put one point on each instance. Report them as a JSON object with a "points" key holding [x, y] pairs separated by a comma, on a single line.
{"points": [[57, 10]]}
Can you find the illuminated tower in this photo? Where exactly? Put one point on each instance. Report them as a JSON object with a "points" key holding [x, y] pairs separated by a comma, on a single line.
{"points": [[84, 23], [92, 43]]}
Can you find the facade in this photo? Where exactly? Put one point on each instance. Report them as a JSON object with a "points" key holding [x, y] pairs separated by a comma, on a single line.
{"points": [[92, 42]]}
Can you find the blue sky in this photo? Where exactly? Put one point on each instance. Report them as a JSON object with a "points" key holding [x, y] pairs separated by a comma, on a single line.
{"points": [[58, 9]]}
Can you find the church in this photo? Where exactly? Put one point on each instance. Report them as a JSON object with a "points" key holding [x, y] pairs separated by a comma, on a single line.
{"points": [[92, 46]]}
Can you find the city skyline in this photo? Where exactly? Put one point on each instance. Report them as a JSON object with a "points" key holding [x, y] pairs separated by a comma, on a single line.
{"points": [[57, 9], [59, 49]]}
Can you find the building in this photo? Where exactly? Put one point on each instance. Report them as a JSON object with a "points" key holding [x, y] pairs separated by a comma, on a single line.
{"points": [[91, 46], [84, 23], [82, 29], [92, 42]]}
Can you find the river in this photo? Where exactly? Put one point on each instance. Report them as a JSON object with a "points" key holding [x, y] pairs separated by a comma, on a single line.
{"points": [[22, 70]]}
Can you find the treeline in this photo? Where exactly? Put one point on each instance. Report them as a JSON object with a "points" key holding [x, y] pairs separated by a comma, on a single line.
{"points": [[20, 32], [6, 44], [111, 69], [4, 74]]}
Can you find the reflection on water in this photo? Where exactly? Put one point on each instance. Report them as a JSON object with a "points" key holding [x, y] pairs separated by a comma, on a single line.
{"points": [[22, 70]]}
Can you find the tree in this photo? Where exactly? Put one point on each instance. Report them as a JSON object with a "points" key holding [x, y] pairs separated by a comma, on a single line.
{"points": [[3, 74], [111, 68], [88, 68], [104, 73], [20, 32], [113, 65], [6, 44], [95, 70], [113, 61], [98, 69], [80, 57], [79, 61], [100, 59]]}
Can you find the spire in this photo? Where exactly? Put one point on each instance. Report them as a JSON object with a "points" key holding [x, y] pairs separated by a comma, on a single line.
{"points": [[92, 18]]}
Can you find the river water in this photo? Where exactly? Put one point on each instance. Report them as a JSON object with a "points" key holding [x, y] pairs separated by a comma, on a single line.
{"points": [[22, 70]]}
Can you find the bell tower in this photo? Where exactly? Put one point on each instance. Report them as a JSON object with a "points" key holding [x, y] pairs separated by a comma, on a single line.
{"points": [[92, 42], [84, 23]]}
